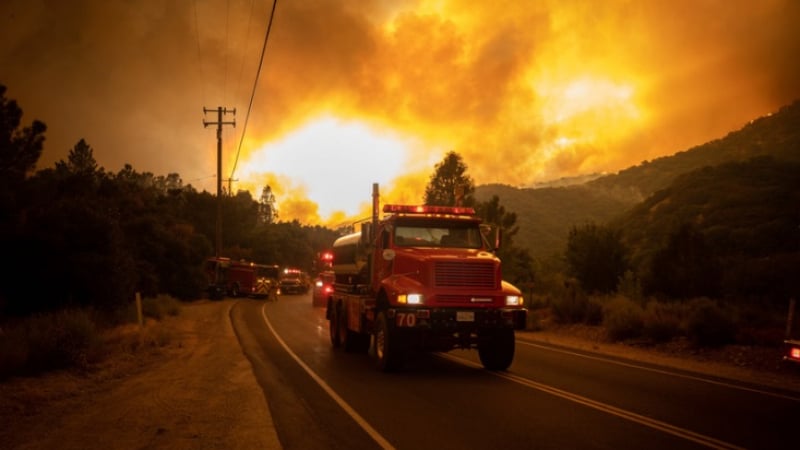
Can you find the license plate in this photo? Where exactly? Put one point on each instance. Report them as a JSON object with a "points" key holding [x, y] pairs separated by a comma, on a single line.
{"points": [[465, 316]]}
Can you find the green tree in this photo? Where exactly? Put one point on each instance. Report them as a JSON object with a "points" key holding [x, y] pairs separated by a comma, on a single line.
{"points": [[450, 174], [596, 257]]}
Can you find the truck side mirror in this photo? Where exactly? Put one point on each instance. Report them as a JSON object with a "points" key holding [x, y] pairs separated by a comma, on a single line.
{"points": [[494, 239]]}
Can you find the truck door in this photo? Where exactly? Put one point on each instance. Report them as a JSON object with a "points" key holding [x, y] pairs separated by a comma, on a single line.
{"points": [[384, 256]]}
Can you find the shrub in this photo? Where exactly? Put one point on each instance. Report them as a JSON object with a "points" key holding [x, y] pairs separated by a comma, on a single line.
{"points": [[623, 319], [661, 321], [574, 306], [708, 325], [49, 342], [160, 307]]}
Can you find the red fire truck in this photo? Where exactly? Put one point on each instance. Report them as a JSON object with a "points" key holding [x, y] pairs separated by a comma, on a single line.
{"points": [[423, 278], [237, 278]]}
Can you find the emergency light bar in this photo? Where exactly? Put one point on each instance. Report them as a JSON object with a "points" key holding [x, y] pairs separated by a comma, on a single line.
{"points": [[428, 209]]}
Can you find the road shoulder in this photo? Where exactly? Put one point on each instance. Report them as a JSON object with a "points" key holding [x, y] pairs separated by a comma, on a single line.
{"points": [[197, 392]]}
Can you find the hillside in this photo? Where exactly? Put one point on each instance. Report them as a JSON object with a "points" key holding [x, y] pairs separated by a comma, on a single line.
{"points": [[745, 216], [545, 215]]}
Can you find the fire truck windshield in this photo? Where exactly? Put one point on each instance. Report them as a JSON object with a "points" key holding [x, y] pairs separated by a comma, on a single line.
{"points": [[438, 234]]}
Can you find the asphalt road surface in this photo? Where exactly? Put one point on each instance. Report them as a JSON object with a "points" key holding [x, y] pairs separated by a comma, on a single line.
{"points": [[550, 398]]}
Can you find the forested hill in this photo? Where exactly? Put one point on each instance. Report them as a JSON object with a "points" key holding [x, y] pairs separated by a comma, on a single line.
{"points": [[546, 214]]}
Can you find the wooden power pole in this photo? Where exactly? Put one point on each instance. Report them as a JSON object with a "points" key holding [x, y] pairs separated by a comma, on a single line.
{"points": [[219, 123]]}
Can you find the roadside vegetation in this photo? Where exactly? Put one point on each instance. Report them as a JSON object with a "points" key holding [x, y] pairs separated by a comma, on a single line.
{"points": [[703, 246], [81, 338]]}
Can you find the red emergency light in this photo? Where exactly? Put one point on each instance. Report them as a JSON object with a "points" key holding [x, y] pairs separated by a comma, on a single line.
{"points": [[429, 209]]}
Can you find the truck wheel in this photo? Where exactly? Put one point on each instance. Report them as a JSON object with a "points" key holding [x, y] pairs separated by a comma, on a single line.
{"points": [[343, 334], [388, 353], [496, 351], [333, 326]]}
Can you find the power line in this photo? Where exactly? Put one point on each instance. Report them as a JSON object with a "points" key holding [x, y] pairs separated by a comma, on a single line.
{"points": [[199, 52], [253, 93]]}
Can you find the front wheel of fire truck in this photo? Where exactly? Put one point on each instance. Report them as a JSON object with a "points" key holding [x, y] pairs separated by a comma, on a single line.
{"points": [[496, 349], [388, 354]]}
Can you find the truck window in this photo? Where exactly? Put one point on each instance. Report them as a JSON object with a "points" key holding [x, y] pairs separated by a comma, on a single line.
{"points": [[445, 235]]}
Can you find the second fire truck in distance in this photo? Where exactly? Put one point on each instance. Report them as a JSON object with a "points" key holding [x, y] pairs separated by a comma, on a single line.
{"points": [[423, 278], [236, 278]]}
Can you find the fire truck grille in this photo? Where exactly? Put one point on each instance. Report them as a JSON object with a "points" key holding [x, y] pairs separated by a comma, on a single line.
{"points": [[461, 274]]}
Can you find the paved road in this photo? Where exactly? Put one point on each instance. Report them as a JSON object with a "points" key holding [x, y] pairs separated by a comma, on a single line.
{"points": [[550, 398]]}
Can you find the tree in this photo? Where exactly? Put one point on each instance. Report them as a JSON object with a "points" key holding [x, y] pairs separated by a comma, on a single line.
{"points": [[492, 212], [80, 161], [596, 257], [686, 267], [449, 175], [20, 149]]}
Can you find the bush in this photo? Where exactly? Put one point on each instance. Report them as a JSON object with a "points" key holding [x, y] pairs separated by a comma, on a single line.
{"points": [[661, 321], [574, 306], [50, 342], [71, 339], [623, 319], [708, 325], [160, 307]]}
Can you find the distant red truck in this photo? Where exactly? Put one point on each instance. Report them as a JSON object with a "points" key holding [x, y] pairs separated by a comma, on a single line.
{"points": [[232, 278]]}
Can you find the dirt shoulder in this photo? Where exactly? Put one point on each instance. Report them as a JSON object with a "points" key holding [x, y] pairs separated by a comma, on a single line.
{"points": [[196, 392]]}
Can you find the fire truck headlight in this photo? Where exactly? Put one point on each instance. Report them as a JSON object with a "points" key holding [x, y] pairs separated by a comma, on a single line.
{"points": [[410, 299], [513, 300]]}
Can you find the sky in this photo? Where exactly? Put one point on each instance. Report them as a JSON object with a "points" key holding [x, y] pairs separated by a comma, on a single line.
{"points": [[351, 93]]}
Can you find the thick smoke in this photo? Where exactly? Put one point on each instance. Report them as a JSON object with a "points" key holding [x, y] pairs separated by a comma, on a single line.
{"points": [[524, 91]]}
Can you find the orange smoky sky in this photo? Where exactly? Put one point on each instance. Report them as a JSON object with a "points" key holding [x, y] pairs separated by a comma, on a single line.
{"points": [[351, 93]]}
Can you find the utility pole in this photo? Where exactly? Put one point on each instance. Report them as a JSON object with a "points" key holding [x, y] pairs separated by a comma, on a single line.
{"points": [[230, 185], [219, 123]]}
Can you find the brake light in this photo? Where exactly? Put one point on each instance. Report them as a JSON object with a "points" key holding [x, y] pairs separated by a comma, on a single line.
{"points": [[794, 353], [429, 209]]}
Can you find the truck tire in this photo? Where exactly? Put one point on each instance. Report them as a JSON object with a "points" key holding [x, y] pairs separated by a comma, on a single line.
{"points": [[388, 353], [496, 351], [333, 326]]}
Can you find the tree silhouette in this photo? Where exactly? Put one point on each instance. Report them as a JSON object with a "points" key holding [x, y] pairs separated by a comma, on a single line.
{"points": [[20, 149], [450, 174], [686, 267], [596, 257]]}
